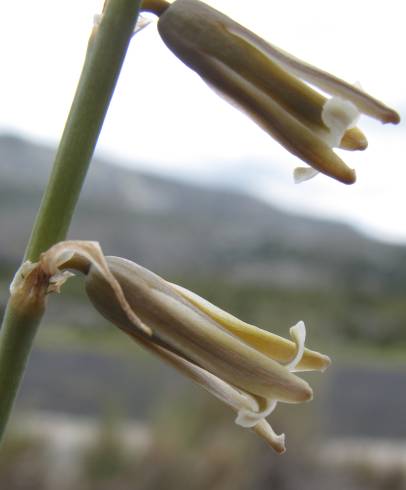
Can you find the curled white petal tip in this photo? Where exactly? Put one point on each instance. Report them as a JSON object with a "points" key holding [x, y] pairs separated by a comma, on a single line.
{"points": [[246, 418], [301, 174], [298, 330], [298, 334], [338, 115]]}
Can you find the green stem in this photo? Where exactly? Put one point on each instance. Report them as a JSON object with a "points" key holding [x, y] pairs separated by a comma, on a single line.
{"points": [[18, 333], [106, 51]]}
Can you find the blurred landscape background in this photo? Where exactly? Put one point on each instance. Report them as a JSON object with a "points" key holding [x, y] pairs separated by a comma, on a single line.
{"points": [[96, 412]]}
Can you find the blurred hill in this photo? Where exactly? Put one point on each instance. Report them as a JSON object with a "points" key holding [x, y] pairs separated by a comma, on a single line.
{"points": [[177, 228], [208, 238]]}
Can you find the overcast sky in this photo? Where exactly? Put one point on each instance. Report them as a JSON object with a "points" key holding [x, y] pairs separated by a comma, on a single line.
{"points": [[165, 117]]}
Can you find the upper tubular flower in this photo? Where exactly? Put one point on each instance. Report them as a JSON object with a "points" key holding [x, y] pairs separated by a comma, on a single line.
{"points": [[269, 85], [247, 368]]}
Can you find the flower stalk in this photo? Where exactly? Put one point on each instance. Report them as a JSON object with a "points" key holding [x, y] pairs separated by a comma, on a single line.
{"points": [[105, 54]]}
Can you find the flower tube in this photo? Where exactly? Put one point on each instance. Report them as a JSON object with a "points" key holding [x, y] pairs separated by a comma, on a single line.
{"points": [[246, 367], [271, 86]]}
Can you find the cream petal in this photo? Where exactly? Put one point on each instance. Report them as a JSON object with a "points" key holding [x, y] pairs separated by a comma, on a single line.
{"points": [[199, 338], [276, 441], [244, 404], [325, 81], [272, 345], [230, 395], [273, 118]]}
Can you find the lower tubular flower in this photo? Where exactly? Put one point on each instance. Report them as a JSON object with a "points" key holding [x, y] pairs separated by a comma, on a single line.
{"points": [[249, 369]]}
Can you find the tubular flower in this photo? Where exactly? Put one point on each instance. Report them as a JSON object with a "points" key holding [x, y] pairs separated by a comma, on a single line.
{"points": [[271, 86], [247, 368]]}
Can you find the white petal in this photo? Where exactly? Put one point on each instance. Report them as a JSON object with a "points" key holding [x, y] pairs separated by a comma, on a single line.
{"points": [[301, 174], [338, 115], [298, 334], [227, 393], [248, 418], [245, 404]]}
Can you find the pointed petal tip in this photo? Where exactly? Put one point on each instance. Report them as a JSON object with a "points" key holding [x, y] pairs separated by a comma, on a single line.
{"points": [[307, 393], [348, 178], [299, 391], [363, 145], [326, 362], [391, 117], [354, 140]]}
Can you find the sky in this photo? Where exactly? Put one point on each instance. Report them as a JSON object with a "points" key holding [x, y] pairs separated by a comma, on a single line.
{"points": [[164, 119]]}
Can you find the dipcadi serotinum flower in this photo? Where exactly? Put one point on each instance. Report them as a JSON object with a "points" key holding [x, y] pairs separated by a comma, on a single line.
{"points": [[248, 368], [271, 86]]}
